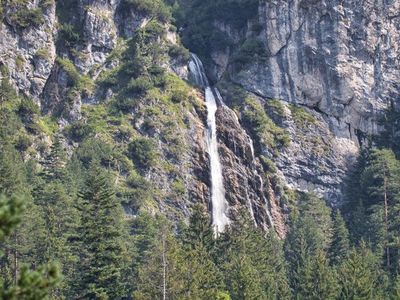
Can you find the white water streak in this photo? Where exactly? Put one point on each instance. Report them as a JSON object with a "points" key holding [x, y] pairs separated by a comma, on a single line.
{"points": [[218, 201]]}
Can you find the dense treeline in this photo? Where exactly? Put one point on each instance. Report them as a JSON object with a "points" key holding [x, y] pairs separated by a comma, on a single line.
{"points": [[76, 225]]}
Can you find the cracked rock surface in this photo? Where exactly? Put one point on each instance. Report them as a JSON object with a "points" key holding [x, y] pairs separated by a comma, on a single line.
{"points": [[337, 59]]}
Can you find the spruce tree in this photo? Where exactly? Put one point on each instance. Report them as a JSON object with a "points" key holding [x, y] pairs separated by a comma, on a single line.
{"points": [[306, 250], [60, 221], [252, 263], [359, 275], [21, 246], [54, 163], [160, 274], [395, 293], [10, 214], [203, 279], [381, 180], [29, 285], [340, 245], [199, 231], [101, 237]]}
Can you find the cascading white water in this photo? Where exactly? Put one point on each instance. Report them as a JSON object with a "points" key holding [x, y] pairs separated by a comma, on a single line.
{"points": [[218, 201]]}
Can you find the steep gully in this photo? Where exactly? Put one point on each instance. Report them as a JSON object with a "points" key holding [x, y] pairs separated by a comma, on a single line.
{"points": [[219, 204]]}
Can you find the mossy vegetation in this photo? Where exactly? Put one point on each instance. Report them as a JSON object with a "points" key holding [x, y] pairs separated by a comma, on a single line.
{"points": [[252, 49], [79, 82], [20, 120], [20, 62], [177, 51], [277, 107], [43, 53], [152, 8], [302, 117], [70, 29], [23, 17], [199, 17], [143, 152], [268, 165], [266, 131]]}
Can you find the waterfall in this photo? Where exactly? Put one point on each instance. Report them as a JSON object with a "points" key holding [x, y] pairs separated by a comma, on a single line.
{"points": [[218, 201]]}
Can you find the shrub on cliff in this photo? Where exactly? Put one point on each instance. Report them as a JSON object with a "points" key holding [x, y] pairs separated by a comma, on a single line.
{"points": [[153, 8]]}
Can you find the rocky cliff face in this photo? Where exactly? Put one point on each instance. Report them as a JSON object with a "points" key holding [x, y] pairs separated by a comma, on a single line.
{"points": [[245, 181], [28, 51], [338, 60], [318, 74], [57, 62]]}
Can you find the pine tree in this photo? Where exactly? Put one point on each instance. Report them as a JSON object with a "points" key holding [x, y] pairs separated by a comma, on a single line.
{"points": [[101, 236], [340, 245], [55, 161], [324, 279], [29, 285], [202, 279], [253, 264], [22, 246], [10, 214], [161, 269], [12, 175], [60, 221], [200, 232], [306, 249], [395, 295], [33, 285], [381, 179], [359, 275]]}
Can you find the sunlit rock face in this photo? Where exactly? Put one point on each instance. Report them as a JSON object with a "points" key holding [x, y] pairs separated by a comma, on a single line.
{"points": [[337, 59]]}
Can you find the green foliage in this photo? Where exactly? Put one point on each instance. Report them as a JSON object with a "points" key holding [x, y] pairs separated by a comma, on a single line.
{"points": [[70, 30], [54, 163], [33, 285], [42, 53], [178, 186], [139, 85], [10, 214], [250, 273], [69, 34], [301, 117], [198, 18], [78, 131], [179, 52], [252, 49], [20, 62], [24, 18], [93, 149], [152, 8], [269, 165], [359, 275], [266, 131], [78, 81], [306, 250], [143, 152], [340, 245], [101, 239], [16, 239], [277, 106], [86, 235], [396, 289]]}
